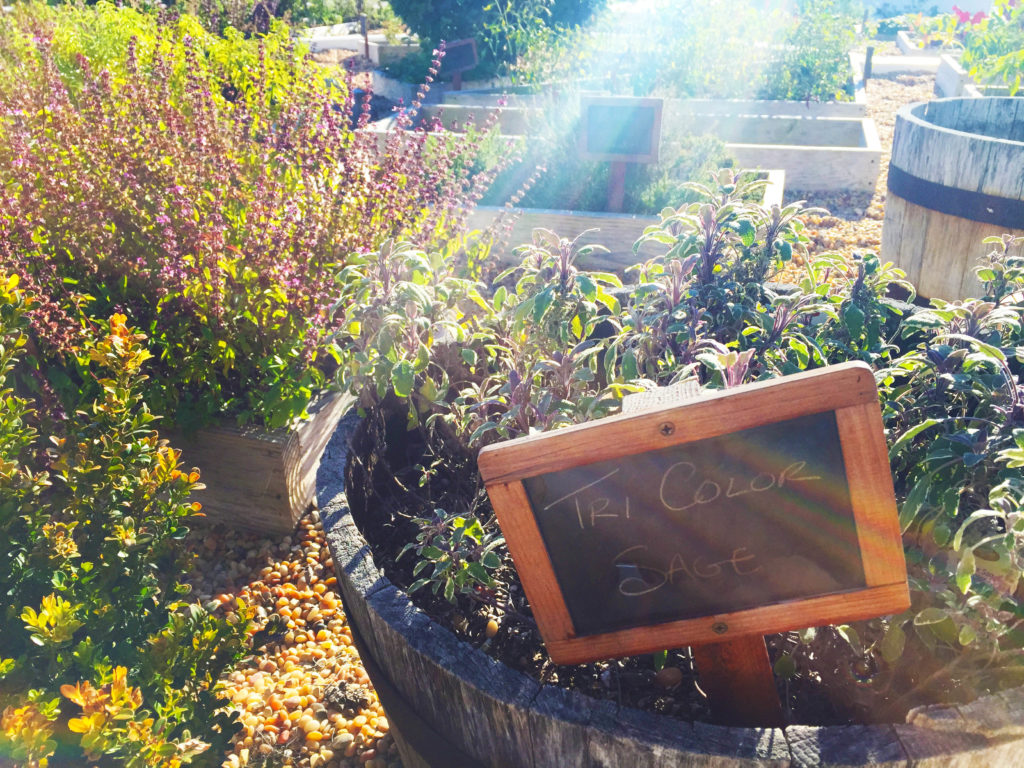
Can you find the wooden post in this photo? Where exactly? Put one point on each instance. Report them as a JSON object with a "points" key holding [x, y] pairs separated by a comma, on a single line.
{"points": [[365, 27], [616, 185], [457, 81], [737, 677], [867, 65]]}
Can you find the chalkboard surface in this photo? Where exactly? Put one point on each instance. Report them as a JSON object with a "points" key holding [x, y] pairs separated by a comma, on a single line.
{"points": [[459, 56], [714, 526], [619, 128]]}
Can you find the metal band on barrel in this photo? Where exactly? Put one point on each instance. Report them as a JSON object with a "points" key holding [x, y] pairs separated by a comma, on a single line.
{"points": [[975, 206]]}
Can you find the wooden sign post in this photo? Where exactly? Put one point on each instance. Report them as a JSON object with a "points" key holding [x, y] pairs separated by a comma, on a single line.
{"points": [[620, 130], [459, 56], [708, 523]]}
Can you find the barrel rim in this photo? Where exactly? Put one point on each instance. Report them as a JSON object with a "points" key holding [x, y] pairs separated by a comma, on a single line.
{"points": [[913, 113]]}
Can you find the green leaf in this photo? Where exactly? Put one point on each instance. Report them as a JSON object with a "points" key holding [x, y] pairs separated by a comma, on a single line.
{"points": [[403, 378], [490, 560], [974, 517], [478, 572], [850, 635], [587, 286], [965, 570], [785, 666], [967, 635], [910, 434], [468, 356], [912, 505], [853, 318], [541, 302], [431, 553], [893, 642], [660, 657], [928, 616], [747, 232]]}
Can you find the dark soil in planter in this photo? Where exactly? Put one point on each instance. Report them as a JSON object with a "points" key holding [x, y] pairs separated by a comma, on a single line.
{"points": [[387, 486]]}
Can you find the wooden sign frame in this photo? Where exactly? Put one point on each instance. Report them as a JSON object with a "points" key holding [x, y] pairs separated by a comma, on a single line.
{"points": [[848, 390], [455, 45], [586, 102]]}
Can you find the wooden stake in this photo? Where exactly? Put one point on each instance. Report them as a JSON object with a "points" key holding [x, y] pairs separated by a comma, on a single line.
{"points": [[457, 81], [616, 185], [737, 677]]}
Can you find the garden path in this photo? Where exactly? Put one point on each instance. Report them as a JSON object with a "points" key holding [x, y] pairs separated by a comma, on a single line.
{"points": [[854, 221]]}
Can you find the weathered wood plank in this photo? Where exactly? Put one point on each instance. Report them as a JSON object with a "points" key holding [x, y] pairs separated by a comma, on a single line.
{"points": [[841, 746]]}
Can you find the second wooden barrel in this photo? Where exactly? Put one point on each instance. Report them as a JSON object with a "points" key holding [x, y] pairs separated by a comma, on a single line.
{"points": [[956, 177]]}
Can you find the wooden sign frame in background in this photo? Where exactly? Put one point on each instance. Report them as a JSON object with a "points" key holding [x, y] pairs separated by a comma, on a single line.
{"points": [[621, 102], [848, 390], [458, 46]]}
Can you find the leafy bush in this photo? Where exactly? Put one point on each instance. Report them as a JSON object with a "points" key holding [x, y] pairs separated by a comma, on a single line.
{"points": [[994, 48], [691, 49], [101, 657], [551, 345], [209, 188], [694, 49], [503, 29]]}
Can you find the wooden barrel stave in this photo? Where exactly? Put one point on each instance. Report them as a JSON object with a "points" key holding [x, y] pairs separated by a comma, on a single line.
{"points": [[933, 144]]}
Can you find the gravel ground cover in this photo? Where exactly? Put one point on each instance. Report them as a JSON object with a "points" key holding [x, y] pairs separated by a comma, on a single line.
{"points": [[854, 221], [306, 700]]}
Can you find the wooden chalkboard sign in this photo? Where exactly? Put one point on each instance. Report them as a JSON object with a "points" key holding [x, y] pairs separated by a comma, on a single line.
{"points": [[459, 56], [620, 129], [759, 509]]}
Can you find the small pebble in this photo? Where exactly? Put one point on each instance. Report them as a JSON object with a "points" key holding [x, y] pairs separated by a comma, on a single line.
{"points": [[279, 695], [669, 677]]}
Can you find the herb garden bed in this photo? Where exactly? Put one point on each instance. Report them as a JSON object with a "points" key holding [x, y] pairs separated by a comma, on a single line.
{"points": [[424, 674], [615, 231]]}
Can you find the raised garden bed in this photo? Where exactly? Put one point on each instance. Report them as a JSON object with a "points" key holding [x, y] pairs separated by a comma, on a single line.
{"points": [[522, 97], [259, 479], [909, 45], [424, 674], [344, 37], [615, 231], [952, 80]]}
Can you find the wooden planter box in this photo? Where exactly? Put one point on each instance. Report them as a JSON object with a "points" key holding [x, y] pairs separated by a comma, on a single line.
{"points": [[381, 52], [907, 42], [952, 80], [819, 149], [258, 479], [449, 704], [491, 96], [615, 231]]}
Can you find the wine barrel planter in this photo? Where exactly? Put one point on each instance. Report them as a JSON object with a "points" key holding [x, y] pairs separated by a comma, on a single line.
{"points": [[954, 179], [452, 706]]}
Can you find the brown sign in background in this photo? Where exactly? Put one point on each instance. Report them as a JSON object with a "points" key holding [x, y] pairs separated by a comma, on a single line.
{"points": [[620, 128]]}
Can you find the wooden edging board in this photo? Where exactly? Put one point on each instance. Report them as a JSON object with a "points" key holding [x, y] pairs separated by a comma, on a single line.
{"points": [[810, 457]]}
